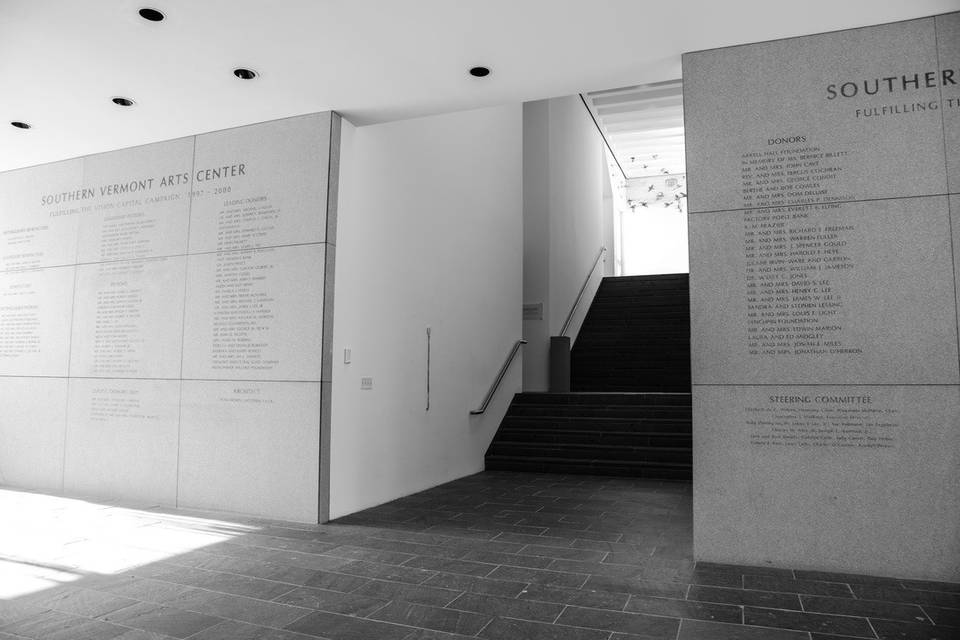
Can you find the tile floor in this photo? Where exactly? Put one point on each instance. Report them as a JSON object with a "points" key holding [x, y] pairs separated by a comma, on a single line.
{"points": [[498, 555]]}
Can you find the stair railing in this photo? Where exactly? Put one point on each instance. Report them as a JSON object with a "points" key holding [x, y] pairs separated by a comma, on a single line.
{"points": [[496, 383], [566, 325]]}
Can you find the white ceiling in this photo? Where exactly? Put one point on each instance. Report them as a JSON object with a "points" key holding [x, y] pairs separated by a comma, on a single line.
{"points": [[643, 125], [373, 60]]}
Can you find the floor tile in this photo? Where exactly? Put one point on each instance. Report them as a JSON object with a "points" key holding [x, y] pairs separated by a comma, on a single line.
{"points": [[419, 594], [418, 615], [700, 630], [823, 623], [810, 587], [635, 623], [567, 553], [507, 629], [333, 626], [430, 634], [864, 608], [508, 607], [508, 559], [233, 630], [393, 573], [270, 614], [895, 630], [595, 599], [943, 616], [506, 588], [331, 601], [85, 602], [313, 561], [138, 634], [685, 609], [912, 596], [639, 586], [929, 585], [744, 597], [56, 625], [335, 581], [465, 567], [167, 620], [382, 556], [539, 576], [13, 610]]}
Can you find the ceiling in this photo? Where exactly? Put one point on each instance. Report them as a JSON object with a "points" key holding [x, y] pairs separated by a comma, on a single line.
{"points": [[643, 125], [61, 61]]}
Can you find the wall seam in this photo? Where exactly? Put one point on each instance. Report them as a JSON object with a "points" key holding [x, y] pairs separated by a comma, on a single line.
{"points": [[183, 323]]}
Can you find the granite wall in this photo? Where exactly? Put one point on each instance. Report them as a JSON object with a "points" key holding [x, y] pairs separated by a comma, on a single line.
{"points": [[162, 320], [824, 199]]}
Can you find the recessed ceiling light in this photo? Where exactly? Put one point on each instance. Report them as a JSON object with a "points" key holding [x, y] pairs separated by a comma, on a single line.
{"points": [[151, 14], [123, 102], [20, 125], [479, 72], [245, 74]]}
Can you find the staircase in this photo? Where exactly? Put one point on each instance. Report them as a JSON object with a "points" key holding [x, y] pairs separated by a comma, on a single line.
{"points": [[644, 435], [636, 336], [630, 411]]}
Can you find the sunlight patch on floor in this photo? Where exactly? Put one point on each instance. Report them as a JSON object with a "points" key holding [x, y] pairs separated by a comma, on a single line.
{"points": [[47, 541]]}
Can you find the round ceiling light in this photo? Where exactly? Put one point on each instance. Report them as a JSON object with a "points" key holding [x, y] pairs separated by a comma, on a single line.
{"points": [[121, 101], [245, 74], [20, 125], [151, 14], [479, 72]]}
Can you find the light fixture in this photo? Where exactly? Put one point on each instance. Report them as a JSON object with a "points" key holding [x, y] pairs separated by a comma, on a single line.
{"points": [[479, 72], [20, 125], [245, 74], [151, 14], [121, 101]]}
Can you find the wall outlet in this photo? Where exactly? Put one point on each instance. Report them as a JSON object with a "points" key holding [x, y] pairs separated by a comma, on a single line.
{"points": [[366, 384]]}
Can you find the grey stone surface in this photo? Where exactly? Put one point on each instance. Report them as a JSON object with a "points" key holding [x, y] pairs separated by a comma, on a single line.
{"points": [[802, 484], [955, 228], [888, 269], [36, 305], [133, 421], [37, 234], [250, 447], [824, 336], [286, 281], [948, 41], [32, 457], [156, 276], [282, 192], [128, 319], [142, 209], [739, 99]]}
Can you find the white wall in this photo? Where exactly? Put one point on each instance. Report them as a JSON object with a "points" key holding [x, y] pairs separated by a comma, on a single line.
{"points": [[564, 174], [429, 234]]}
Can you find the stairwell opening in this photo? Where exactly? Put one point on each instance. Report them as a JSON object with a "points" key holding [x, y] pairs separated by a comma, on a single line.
{"points": [[623, 406]]}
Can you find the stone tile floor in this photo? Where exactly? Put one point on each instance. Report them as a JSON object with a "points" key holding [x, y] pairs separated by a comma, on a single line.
{"points": [[498, 555]]}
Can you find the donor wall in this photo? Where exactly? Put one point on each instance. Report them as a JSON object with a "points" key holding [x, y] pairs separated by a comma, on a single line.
{"points": [[162, 320], [824, 216]]}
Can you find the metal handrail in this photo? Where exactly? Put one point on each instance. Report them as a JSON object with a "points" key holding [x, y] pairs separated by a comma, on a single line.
{"points": [[566, 325], [496, 383]]}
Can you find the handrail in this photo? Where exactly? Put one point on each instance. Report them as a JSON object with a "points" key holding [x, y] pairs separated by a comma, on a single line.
{"points": [[566, 325], [496, 383]]}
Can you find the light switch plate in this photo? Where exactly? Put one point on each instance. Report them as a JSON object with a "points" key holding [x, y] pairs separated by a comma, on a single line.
{"points": [[346, 355]]}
